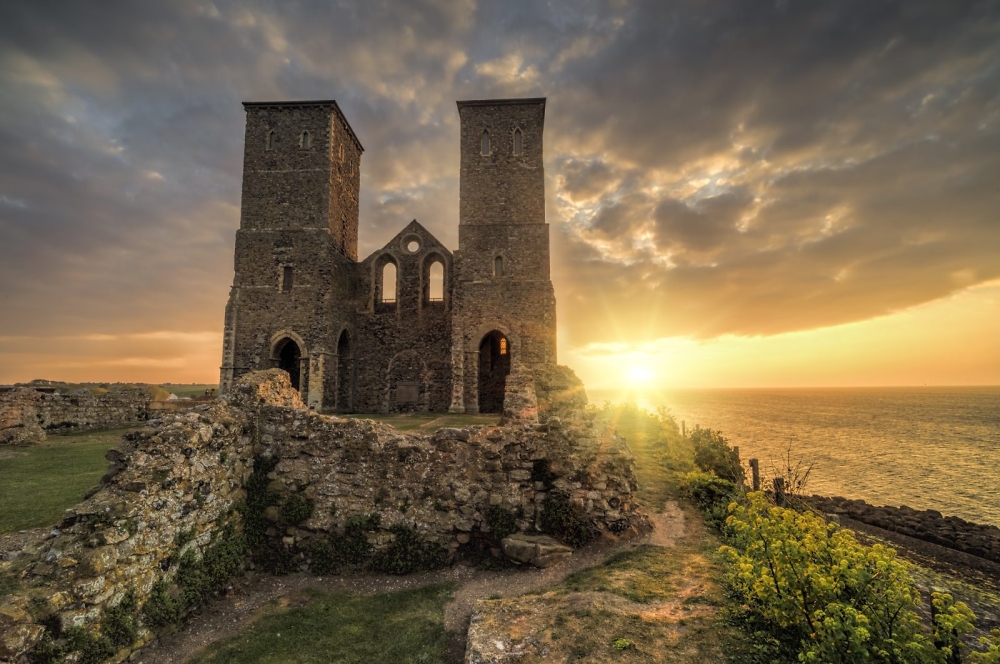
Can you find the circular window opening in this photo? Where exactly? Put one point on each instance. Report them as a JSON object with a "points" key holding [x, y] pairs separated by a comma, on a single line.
{"points": [[412, 246]]}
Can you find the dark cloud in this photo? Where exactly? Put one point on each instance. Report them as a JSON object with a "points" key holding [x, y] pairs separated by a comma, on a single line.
{"points": [[714, 167]]}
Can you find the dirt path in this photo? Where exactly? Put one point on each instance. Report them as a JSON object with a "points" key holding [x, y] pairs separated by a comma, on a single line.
{"points": [[248, 598]]}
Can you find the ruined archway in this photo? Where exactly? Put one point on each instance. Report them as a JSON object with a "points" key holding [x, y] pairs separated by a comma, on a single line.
{"points": [[289, 357], [345, 373], [494, 365]]}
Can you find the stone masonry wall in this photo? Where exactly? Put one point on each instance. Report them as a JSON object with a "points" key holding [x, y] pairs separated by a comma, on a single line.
{"points": [[165, 529], [29, 410]]}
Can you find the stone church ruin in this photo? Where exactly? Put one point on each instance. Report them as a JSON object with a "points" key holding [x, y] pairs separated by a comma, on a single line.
{"points": [[414, 326]]}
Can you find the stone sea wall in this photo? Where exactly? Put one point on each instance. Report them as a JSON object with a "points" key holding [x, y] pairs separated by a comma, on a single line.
{"points": [[191, 498], [929, 525], [26, 414]]}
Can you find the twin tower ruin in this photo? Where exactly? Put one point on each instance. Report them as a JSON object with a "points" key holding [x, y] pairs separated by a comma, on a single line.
{"points": [[414, 326]]}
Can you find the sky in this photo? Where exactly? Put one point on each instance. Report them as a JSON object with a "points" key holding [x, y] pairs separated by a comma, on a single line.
{"points": [[740, 193]]}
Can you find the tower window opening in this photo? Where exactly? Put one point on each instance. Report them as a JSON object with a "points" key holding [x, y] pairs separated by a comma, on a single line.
{"points": [[503, 345], [485, 143], [270, 140], [435, 291], [286, 279], [389, 283], [517, 141], [304, 140], [498, 266]]}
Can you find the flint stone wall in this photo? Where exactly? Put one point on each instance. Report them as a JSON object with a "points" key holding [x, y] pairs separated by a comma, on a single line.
{"points": [[174, 487], [27, 414]]}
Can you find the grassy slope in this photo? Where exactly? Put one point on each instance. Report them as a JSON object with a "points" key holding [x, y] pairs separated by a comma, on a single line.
{"points": [[647, 604], [405, 627], [37, 484]]}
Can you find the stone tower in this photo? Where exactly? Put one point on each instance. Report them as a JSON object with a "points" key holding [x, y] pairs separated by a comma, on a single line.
{"points": [[298, 225], [504, 316]]}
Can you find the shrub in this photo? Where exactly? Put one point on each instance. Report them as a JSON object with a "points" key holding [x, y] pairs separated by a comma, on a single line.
{"points": [[711, 493], [502, 522], [837, 600], [296, 509], [161, 608], [713, 455], [566, 521], [992, 653], [118, 623], [409, 552]]}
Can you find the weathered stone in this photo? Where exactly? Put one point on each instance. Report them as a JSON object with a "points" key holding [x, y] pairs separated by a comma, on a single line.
{"points": [[537, 550]]}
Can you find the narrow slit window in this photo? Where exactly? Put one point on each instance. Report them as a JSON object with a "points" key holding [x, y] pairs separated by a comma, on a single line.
{"points": [[503, 345], [486, 143], [270, 140], [286, 279], [436, 278], [498, 266], [304, 140], [517, 141], [389, 283]]}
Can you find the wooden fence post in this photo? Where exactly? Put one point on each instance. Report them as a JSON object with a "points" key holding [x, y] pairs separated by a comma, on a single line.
{"points": [[779, 491], [755, 473]]}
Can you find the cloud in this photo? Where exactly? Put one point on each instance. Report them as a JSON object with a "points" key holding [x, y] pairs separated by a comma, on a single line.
{"points": [[719, 168]]}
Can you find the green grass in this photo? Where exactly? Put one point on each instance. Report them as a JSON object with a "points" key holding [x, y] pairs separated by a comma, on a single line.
{"points": [[188, 390], [37, 484], [426, 422], [404, 627]]}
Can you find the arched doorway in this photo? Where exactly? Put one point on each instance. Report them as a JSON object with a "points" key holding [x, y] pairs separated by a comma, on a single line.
{"points": [[289, 355], [494, 365], [345, 373]]}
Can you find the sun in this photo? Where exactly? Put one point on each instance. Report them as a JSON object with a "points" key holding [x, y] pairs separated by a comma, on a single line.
{"points": [[639, 374]]}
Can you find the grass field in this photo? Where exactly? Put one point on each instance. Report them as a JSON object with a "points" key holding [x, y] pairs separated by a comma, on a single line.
{"points": [[183, 390], [37, 484], [427, 422], [404, 627]]}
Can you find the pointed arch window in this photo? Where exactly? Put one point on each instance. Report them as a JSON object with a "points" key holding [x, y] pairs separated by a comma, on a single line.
{"points": [[518, 142], [503, 345], [305, 140], [485, 146], [270, 140], [389, 283]]}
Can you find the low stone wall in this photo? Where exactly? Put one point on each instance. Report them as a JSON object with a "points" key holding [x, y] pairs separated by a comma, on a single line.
{"points": [[442, 485], [25, 412], [187, 497], [928, 525]]}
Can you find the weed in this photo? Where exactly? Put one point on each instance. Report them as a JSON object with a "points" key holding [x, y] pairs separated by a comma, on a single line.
{"points": [[296, 509], [566, 521], [409, 552], [502, 522]]}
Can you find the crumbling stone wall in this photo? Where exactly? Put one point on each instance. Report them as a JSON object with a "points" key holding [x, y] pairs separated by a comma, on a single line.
{"points": [[185, 498], [26, 412]]}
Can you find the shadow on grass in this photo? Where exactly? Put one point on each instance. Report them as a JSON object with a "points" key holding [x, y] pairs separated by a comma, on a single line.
{"points": [[405, 627]]}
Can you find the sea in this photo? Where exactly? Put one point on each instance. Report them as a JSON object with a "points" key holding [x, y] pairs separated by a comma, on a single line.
{"points": [[925, 447]]}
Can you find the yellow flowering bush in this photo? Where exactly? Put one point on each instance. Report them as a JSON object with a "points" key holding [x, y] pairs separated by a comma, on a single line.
{"points": [[843, 601]]}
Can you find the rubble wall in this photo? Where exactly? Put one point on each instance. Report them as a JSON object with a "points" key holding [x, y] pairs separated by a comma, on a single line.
{"points": [[175, 515], [30, 410]]}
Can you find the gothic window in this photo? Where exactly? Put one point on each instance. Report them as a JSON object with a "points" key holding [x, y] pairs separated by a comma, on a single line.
{"points": [[270, 140], [304, 140], [435, 292], [517, 141], [486, 143], [286, 279], [389, 282], [498, 266], [503, 345]]}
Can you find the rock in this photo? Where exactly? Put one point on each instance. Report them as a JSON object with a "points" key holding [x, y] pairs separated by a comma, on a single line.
{"points": [[537, 550], [453, 434]]}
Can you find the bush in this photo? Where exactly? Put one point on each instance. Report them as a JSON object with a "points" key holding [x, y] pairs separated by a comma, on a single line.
{"points": [[710, 493], [118, 623], [816, 587], [502, 522], [161, 608], [713, 455], [566, 521], [348, 549], [296, 509], [409, 552]]}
